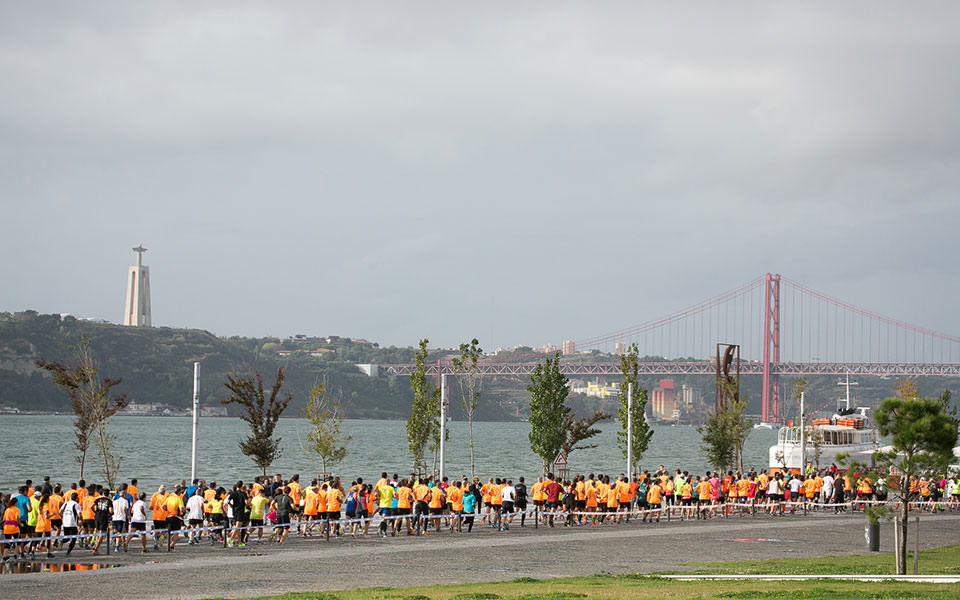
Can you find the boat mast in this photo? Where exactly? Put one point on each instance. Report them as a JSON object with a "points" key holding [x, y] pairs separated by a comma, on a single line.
{"points": [[846, 384]]}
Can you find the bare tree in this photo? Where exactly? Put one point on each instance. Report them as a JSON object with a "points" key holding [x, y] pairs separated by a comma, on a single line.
{"points": [[92, 404], [325, 438], [470, 382]]}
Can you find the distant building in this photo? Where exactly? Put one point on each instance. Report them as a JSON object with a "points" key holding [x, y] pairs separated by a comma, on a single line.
{"points": [[620, 348], [547, 349], [569, 348], [663, 401], [137, 308]]}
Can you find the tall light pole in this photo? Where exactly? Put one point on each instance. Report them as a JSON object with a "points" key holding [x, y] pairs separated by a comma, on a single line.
{"points": [[443, 419], [629, 432], [196, 415]]}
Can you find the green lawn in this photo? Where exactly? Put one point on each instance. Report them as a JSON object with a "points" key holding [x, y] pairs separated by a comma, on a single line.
{"points": [[937, 561], [944, 560]]}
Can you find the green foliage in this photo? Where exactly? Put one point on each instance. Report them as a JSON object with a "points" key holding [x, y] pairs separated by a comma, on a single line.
{"points": [[724, 434], [423, 426], [92, 404], [466, 366], [922, 440], [260, 413], [548, 392], [325, 438], [578, 429], [156, 364], [641, 431]]}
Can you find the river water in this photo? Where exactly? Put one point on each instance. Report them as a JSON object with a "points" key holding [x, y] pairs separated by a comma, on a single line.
{"points": [[157, 450]]}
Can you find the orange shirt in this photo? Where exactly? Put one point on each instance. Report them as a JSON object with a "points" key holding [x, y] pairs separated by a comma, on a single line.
{"points": [[54, 503], [486, 489], [624, 495], [455, 495], [294, 492], [43, 520], [421, 493], [612, 497], [322, 500], [495, 498], [11, 520], [333, 500], [310, 503], [591, 492], [653, 494], [86, 511], [703, 490], [686, 490], [436, 498], [404, 497], [157, 505]]}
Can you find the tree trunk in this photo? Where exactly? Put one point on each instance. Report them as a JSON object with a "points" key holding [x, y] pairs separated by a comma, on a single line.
{"points": [[473, 470], [82, 458], [902, 517]]}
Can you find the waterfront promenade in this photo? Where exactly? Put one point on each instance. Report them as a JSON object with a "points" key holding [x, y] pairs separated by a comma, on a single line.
{"points": [[305, 564]]}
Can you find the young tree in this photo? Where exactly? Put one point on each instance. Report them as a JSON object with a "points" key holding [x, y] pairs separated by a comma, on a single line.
{"points": [[577, 430], [923, 437], [724, 435], [261, 414], [423, 427], [325, 439], [548, 393], [92, 404], [798, 386], [640, 429], [470, 381]]}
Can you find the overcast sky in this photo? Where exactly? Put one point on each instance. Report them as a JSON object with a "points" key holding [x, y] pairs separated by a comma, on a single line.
{"points": [[522, 173]]}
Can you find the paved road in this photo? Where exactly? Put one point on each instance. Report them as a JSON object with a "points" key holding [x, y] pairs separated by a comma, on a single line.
{"points": [[305, 564]]}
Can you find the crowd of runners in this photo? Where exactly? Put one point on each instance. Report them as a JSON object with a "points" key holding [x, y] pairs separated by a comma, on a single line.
{"points": [[37, 520]]}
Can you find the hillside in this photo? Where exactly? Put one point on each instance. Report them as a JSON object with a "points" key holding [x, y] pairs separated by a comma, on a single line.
{"points": [[156, 365]]}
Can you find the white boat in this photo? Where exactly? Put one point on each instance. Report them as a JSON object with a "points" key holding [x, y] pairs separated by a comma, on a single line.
{"points": [[846, 433], [762, 425]]}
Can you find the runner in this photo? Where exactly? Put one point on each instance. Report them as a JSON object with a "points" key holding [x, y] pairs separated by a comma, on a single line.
{"points": [[138, 520]]}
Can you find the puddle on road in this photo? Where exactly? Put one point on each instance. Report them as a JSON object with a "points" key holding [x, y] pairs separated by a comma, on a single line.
{"points": [[23, 567]]}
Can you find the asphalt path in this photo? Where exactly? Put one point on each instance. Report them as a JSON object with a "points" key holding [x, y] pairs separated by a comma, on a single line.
{"points": [[313, 564]]}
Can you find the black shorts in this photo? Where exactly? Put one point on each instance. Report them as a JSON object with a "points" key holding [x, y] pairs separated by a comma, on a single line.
{"points": [[624, 505], [102, 525], [138, 526], [436, 511], [351, 514], [507, 507], [332, 515], [256, 522], [581, 505], [553, 505], [27, 530], [216, 518], [196, 522], [173, 523], [402, 511], [120, 526], [159, 524], [539, 503], [89, 523], [283, 521]]}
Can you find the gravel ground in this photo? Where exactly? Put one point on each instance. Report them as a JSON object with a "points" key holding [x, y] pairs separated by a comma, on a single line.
{"points": [[311, 564]]}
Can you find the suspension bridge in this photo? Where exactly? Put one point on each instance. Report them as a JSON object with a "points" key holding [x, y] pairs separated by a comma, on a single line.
{"points": [[783, 328]]}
